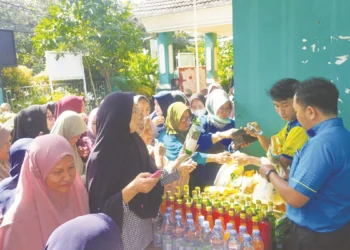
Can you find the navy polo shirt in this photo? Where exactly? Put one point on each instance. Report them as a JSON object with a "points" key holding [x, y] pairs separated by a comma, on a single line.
{"points": [[321, 171]]}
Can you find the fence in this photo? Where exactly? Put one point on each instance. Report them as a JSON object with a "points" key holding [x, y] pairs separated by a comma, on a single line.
{"points": [[40, 94]]}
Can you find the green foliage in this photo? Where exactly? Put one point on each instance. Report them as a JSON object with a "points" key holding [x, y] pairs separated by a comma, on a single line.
{"points": [[100, 29], [16, 77], [225, 63], [141, 74]]}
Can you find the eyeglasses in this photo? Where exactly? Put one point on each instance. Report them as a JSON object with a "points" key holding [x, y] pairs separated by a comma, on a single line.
{"points": [[50, 117], [186, 119]]}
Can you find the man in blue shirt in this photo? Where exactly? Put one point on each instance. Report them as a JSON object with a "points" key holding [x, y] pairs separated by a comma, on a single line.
{"points": [[318, 191]]}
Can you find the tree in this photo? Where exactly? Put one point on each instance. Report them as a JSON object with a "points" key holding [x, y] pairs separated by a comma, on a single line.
{"points": [[22, 16], [100, 29]]}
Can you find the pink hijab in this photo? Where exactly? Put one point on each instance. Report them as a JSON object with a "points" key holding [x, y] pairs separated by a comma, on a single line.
{"points": [[37, 211]]}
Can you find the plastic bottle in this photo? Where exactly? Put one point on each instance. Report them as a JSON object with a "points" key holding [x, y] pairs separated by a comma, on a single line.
{"points": [[232, 218], [221, 217], [163, 205], [217, 239], [237, 218], [199, 226], [167, 228], [233, 242], [255, 223], [243, 219], [169, 210], [178, 234], [190, 236], [266, 232], [157, 230], [247, 244], [210, 217], [257, 241], [249, 221], [218, 223], [229, 229], [193, 136], [204, 242], [242, 232], [198, 211]]}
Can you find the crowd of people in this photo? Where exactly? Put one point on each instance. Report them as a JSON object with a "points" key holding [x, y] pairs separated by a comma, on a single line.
{"points": [[72, 180]]}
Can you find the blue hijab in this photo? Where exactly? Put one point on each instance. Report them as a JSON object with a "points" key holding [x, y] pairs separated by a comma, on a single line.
{"points": [[164, 99], [8, 186], [88, 232]]}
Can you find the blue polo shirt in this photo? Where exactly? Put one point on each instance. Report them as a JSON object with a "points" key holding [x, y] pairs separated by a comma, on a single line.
{"points": [[321, 171]]}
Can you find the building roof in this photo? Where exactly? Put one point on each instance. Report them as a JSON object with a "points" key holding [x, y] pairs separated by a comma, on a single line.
{"points": [[148, 8]]}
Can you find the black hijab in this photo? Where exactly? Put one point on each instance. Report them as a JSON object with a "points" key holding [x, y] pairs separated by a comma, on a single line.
{"points": [[30, 122], [117, 158]]}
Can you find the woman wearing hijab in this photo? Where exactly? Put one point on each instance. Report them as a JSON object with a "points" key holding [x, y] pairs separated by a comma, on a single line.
{"points": [[71, 126], [5, 143], [8, 186], [213, 87], [215, 137], [158, 154], [197, 105], [49, 193], [32, 122], [52, 106], [88, 232], [73, 103], [119, 170], [145, 106], [88, 141], [179, 96], [176, 128], [162, 101]]}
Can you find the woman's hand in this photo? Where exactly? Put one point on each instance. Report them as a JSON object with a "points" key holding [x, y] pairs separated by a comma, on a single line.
{"points": [[187, 167], [143, 183], [222, 158], [83, 152], [158, 120], [241, 158], [159, 149], [182, 154]]}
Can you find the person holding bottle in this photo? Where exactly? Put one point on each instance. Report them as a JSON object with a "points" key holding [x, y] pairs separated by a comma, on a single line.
{"points": [[317, 193], [216, 135], [280, 148], [177, 125]]}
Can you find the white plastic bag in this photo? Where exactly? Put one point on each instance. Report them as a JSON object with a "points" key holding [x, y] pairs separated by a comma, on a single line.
{"points": [[223, 178]]}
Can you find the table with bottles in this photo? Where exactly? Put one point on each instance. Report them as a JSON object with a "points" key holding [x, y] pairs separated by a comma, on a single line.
{"points": [[215, 218]]}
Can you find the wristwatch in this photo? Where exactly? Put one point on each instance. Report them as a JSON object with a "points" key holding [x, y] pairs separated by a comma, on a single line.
{"points": [[267, 174]]}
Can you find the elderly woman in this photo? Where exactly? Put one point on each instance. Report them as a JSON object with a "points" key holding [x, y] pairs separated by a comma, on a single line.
{"points": [[8, 186], [162, 101], [5, 143], [49, 193], [176, 127], [71, 126], [33, 121], [119, 172], [72, 103], [99, 233], [145, 107], [158, 154]]}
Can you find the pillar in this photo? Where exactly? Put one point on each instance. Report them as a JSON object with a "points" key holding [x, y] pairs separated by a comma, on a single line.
{"points": [[166, 60], [210, 56]]}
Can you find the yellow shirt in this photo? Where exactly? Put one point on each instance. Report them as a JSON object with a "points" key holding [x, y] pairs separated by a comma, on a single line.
{"points": [[290, 139]]}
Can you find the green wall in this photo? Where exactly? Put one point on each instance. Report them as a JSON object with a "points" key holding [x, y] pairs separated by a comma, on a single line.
{"points": [[274, 39]]}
